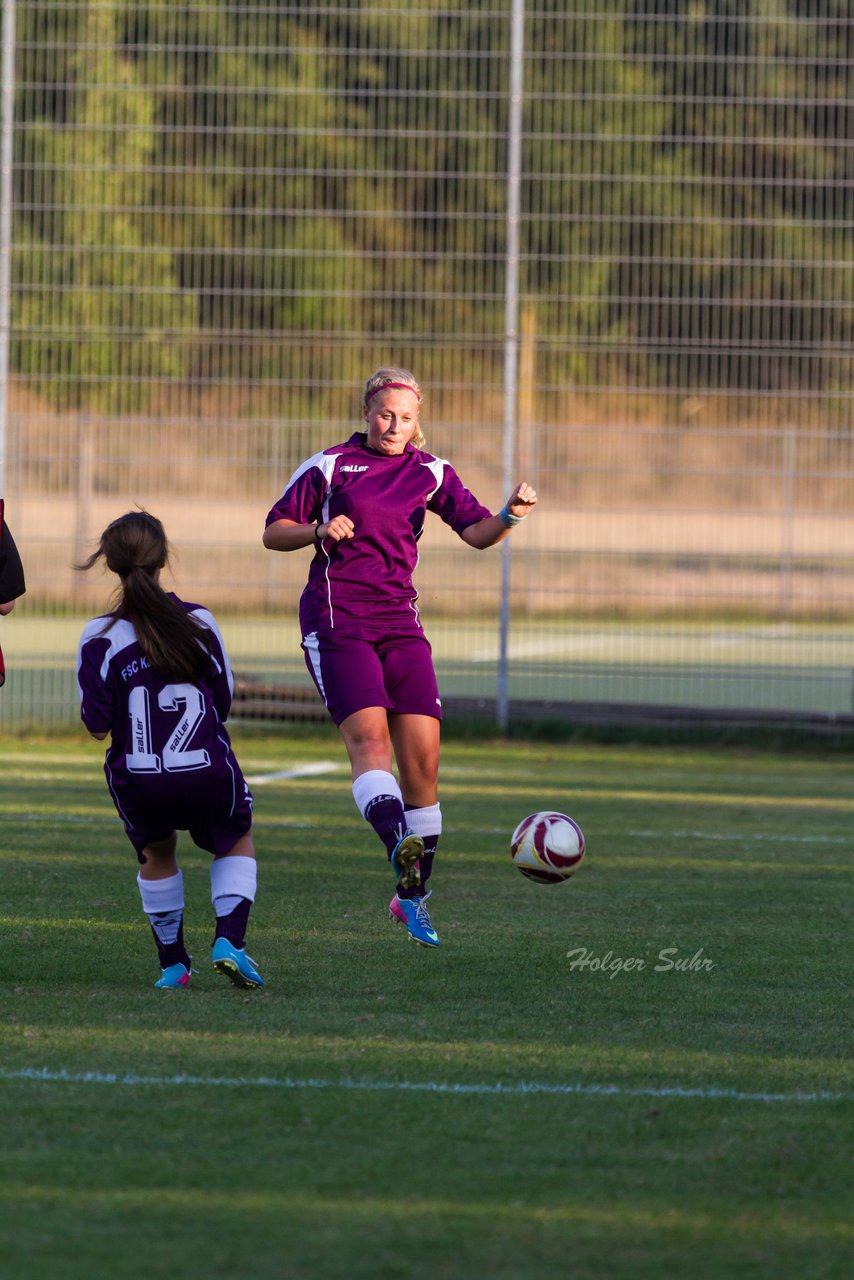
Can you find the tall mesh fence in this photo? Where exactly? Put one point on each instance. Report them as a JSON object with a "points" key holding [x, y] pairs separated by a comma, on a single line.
{"points": [[226, 215]]}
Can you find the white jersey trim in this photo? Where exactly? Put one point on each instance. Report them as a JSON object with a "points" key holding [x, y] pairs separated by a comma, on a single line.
{"points": [[325, 463], [437, 467], [312, 649], [206, 618], [119, 635]]}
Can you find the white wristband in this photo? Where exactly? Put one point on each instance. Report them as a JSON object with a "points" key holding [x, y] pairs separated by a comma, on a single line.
{"points": [[507, 517]]}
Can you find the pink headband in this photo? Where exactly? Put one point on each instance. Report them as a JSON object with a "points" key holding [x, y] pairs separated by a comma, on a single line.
{"points": [[387, 386]]}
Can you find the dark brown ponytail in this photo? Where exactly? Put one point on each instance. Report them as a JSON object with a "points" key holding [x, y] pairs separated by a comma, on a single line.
{"points": [[134, 546]]}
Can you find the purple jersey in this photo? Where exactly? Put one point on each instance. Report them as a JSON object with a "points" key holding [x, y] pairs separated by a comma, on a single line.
{"points": [[363, 585], [169, 745]]}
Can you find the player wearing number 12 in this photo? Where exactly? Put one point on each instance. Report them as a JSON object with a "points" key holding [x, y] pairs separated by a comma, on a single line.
{"points": [[154, 675]]}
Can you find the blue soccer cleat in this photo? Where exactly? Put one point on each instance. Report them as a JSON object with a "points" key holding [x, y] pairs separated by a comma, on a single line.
{"points": [[176, 975], [404, 860], [235, 964], [413, 913]]}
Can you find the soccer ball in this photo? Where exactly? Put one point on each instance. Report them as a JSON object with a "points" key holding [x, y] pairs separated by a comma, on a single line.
{"points": [[547, 847]]}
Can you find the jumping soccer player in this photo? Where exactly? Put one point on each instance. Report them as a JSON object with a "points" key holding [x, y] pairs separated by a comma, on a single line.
{"points": [[361, 506], [155, 675]]}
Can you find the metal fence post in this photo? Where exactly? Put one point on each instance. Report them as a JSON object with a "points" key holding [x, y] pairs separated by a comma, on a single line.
{"points": [[7, 119], [511, 334]]}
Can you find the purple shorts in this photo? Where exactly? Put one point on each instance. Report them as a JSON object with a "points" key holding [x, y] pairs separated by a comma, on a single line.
{"points": [[352, 673], [215, 811]]}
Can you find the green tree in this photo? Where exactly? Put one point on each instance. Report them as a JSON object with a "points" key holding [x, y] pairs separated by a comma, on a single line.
{"points": [[254, 137], [100, 316], [758, 101]]}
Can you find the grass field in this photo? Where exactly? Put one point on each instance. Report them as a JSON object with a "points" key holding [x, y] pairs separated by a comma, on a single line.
{"points": [[492, 1109]]}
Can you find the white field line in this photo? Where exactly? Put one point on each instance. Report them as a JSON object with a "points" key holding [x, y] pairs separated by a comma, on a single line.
{"points": [[763, 649], [550, 647], [299, 771], [46, 1075]]}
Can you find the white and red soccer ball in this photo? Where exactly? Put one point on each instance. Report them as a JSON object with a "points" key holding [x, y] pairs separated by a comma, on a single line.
{"points": [[547, 847]]}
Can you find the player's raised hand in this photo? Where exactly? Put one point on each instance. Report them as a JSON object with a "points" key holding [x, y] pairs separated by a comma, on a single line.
{"points": [[522, 501]]}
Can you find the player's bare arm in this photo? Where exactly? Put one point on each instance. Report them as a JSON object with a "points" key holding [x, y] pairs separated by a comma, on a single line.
{"points": [[491, 530], [288, 535]]}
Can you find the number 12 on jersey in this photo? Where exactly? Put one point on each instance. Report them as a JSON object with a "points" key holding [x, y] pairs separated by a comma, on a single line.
{"points": [[175, 753]]}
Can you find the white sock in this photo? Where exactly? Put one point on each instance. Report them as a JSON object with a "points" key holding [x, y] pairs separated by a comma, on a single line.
{"points": [[426, 821], [232, 878], [376, 782], [163, 903], [162, 895]]}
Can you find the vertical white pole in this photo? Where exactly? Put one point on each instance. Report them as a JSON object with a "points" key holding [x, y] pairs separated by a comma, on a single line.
{"points": [[787, 511], [7, 121], [511, 333]]}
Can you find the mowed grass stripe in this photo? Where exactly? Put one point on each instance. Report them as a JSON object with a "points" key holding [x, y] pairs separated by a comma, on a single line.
{"points": [[844, 804], [91, 925], [301, 863], [82, 813], [788, 1224]]}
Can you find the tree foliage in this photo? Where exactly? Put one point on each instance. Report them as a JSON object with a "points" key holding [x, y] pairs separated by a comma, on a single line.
{"points": [[100, 313], [199, 182]]}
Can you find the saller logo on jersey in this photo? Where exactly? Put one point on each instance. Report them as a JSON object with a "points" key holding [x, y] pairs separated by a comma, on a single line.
{"points": [[354, 468]]}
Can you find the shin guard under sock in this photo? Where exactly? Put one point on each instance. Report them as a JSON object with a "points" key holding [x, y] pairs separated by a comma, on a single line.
{"points": [[163, 903], [380, 803]]}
